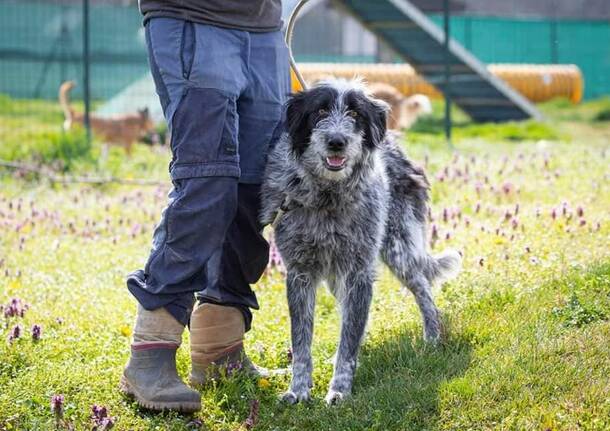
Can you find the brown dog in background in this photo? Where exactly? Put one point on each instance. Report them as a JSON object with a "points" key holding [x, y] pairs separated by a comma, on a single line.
{"points": [[404, 110], [123, 130]]}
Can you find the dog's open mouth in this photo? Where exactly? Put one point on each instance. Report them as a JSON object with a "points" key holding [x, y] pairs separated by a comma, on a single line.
{"points": [[335, 163]]}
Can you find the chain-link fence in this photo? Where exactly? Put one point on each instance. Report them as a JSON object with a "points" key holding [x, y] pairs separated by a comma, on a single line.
{"points": [[42, 45], [41, 42]]}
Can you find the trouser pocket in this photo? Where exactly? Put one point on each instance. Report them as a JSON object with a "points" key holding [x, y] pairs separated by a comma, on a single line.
{"points": [[204, 135], [187, 49]]}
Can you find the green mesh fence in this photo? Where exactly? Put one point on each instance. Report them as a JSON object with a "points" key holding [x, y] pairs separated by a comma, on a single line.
{"points": [[41, 46], [498, 40]]}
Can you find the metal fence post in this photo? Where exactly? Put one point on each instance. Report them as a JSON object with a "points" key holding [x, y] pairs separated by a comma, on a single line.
{"points": [[86, 61], [553, 36], [446, 16]]}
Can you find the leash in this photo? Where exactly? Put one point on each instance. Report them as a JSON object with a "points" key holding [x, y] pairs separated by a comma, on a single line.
{"points": [[284, 207], [289, 32], [280, 213]]}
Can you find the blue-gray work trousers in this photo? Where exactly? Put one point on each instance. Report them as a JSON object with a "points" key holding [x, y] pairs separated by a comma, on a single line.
{"points": [[222, 93]]}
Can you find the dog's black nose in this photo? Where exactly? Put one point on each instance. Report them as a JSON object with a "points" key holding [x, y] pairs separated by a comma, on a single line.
{"points": [[337, 144]]}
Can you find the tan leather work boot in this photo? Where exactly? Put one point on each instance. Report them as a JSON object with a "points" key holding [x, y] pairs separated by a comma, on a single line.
{"points": [[217, 335]]}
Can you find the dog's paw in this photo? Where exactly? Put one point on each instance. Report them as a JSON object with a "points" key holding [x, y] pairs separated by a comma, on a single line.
{"points": [[335, 397], [293, 397], [433, 339], [433, 334]]}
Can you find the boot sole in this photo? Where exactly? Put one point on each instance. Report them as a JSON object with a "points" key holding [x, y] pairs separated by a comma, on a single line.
{"points": [[184, 407]]}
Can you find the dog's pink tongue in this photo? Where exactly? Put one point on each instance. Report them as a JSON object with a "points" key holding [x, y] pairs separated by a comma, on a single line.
{"points": [[335, 161]]}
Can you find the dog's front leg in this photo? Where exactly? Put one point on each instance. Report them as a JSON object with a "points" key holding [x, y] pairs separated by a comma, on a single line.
{"points": [[355, 306], [301, 290]]}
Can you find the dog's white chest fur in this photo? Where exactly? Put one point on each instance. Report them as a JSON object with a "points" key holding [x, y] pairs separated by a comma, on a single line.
{"points": [[326, 230]]}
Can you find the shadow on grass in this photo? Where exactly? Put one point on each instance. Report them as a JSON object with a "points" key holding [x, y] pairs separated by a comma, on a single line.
{"points": [[397, 387]]}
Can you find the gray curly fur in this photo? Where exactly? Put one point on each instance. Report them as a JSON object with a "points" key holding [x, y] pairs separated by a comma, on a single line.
{"points": [[339, 221]]}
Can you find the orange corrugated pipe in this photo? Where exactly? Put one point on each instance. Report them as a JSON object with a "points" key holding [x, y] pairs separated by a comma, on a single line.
{"points": [[537, 82]]}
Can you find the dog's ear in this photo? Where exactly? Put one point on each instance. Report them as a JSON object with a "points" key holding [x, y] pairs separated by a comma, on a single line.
{"points": [[376, 115], [297, 123]]}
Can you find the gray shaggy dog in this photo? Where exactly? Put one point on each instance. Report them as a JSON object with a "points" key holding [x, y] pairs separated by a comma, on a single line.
{"points": [[347, 195]]}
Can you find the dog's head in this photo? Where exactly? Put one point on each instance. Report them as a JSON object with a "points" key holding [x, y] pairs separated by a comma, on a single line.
{"points": [[334, 126], [146, 122]]}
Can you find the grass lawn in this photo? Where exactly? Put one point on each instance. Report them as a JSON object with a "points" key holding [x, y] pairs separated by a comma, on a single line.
{"points": [[528, 320]]}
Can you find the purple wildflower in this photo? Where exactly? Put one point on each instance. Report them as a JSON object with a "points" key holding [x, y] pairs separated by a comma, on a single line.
{"points": [[234, 367], [36, 332], [15, 333], [275, 259], [100, 418], [15, 308], [580, 211], [57, 406], [478, 187], [253, 416], [434, 235], [99, 411], [507, 188]]}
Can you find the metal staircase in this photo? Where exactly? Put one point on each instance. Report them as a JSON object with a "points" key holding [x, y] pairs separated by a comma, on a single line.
{"points": [[420, 43]]}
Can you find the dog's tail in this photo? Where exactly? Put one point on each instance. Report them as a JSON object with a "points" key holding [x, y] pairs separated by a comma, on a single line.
{"points": [[64, 102], [444, 266]]}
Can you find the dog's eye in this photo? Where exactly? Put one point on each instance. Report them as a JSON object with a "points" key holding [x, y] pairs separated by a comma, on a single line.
{"points": [[322, 112], [352, 114]]}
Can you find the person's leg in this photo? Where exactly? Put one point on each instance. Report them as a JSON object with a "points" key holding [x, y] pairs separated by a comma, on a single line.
{"points": [[219, 322], [198, 73], [245, 251], [244, 257]]}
